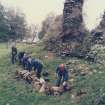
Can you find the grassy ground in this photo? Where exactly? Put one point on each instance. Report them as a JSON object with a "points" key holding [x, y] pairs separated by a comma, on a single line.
{"points": [[13, 92]]}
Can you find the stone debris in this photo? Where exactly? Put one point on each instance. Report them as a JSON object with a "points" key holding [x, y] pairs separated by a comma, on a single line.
{"points": [[41, 85], [77, 96], [76, 68]]}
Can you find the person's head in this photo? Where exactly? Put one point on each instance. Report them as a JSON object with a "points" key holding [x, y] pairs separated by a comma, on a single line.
{"points": [[62, 66], [24, 54], [13, 44]]}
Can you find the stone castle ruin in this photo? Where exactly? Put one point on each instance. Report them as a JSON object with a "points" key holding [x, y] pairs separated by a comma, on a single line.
{"points": [[73, 29], [73, 21]]}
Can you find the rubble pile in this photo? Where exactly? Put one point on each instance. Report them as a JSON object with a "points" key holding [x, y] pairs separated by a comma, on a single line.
{"points": [[77, 68], [41, 85], [77, 96], [62, 49], [98, 50]]}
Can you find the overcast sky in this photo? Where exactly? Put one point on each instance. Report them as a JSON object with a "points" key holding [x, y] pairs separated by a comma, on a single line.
{"points": [[36, 10]]}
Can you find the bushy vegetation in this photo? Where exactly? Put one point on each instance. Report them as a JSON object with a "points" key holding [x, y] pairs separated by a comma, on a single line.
{"points": [[12, 24], [51, 26]]}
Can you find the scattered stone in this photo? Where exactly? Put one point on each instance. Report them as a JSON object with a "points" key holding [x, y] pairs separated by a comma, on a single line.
{"points": [[41, 85], [81, 92], [37, 86], [72, 80], [58, 90], [95, 71], [90, 73], [100, 72], [77, 96], [76, 68]]}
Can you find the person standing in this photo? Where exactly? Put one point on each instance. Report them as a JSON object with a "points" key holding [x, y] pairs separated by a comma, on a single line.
{"points": [[13, 54]]}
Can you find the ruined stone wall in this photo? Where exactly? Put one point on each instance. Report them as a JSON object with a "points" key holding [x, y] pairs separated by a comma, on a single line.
{"points": [[75, 40], [73, 29], [73, 32]]}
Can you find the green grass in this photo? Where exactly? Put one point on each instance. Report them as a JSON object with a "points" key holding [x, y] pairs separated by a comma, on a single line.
{"points": [[18, 92]]}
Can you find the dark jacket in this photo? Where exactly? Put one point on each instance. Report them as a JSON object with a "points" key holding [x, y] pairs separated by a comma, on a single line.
{"points": [[37, 65], [14, 51], [24, 62], [29, 65], [21, 55], [62, 73]]}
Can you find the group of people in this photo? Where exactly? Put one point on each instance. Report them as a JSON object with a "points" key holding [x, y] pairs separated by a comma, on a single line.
{"points": [[29, 63]]}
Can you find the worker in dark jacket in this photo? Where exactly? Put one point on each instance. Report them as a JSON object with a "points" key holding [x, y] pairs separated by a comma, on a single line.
{"points": [[62, 74], [29, 64], [20, 57], [13, 54], [24, 61], [37, 67]]}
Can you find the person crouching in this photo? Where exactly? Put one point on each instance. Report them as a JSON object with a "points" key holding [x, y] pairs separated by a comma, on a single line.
{"points": [[24, 61], [29, 64], [20, 57], [37, 65], [62, 74]]}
